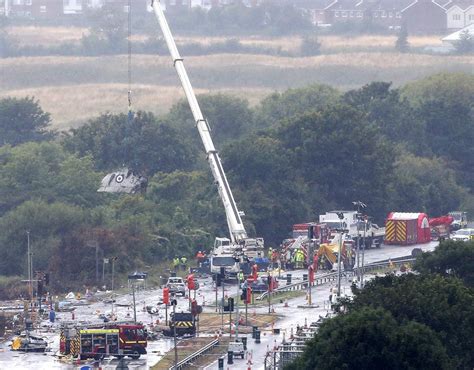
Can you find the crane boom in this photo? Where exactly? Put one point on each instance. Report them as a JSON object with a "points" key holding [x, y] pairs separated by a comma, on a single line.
{"points": [[234, 221]]}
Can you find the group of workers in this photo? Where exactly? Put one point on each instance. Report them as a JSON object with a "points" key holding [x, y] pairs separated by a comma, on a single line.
{"points": [[180, 262]]}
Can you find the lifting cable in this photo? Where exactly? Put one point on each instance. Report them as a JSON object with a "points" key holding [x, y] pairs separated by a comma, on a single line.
{"points": [[130, 113]]}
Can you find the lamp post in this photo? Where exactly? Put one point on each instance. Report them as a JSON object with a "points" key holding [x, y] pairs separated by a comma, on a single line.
{"points": [[30, 267], [363, 253], [113, 271], [360, 205], [340, 215]]}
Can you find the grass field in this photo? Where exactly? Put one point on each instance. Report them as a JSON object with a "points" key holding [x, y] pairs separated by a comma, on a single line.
{"points": [[48, 36], [74, 89]]}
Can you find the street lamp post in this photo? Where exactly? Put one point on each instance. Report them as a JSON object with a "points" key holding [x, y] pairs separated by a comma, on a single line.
{"points": [[341, 233], [113, 272], [363, 253], [360, 205], [30, 268]]}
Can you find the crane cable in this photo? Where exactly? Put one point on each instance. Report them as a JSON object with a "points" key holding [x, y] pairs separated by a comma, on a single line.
{"points": [[130, 113]]}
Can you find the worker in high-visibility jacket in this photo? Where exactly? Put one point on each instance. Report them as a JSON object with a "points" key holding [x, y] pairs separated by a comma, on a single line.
{"points": [[299, 258], [270, 253]]}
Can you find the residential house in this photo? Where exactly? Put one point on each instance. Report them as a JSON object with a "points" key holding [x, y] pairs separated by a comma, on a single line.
{"points": [[424, 16], [387, 13], [316, 9], [345, 10], [459, 13], [34, 9], [4, 8]]}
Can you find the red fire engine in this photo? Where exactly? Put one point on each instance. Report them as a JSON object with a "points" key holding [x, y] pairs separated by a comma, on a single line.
{"points": [[98, 341]]}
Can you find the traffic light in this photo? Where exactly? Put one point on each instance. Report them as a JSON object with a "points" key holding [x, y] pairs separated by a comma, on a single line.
{"points": [[255, 271], [310, 232], [311, 274], [243, 295], [40, 288], [166, 296], [191, 284], [46, 278], [222, 272], [218, 280], [231, 304], [249, 295], [270, 283], [194, 307]]}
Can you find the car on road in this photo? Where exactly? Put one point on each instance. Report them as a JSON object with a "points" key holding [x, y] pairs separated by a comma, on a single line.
{"points": [[463, 235], [237, 349], [176, 285], [261, 285]]}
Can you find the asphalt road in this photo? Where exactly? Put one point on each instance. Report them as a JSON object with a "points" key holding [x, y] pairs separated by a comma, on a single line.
{"points": [[291, 317]]}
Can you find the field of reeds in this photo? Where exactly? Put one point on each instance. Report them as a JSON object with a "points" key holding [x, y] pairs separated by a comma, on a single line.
{"points": [[74, 89]]}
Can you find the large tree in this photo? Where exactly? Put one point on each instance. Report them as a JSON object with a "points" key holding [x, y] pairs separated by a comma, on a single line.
{"points": [[444, 304], [342, 155], [292, 102], [45, 171], [142, 143], [372, 339], [444, 105], [267, 186], [23, 120], [451, 258], [424, 184]]}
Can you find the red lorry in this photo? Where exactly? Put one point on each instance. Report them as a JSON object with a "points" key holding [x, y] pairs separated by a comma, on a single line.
{"points": [[98, 341]]}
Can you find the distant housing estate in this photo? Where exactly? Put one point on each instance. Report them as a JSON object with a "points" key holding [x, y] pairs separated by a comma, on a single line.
{"points": [[419, 16]]}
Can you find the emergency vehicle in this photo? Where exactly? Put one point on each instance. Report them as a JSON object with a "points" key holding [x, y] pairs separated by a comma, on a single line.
{"points": [[98, 341]]}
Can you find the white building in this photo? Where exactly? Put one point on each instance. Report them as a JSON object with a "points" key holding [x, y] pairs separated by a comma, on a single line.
{"points": [[459, 14]]}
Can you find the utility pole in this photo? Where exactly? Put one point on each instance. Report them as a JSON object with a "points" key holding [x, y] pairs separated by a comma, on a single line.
{"points": [[341, 233], [30, 267], [97, 262], [113, 272], [237, 307], [222, 312], [360, 205], [363, 253], [134, 304], [269, 293], [173, 302]]}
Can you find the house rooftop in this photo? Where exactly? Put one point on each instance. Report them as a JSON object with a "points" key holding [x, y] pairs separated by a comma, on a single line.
{"points": [[463, 4], [456, 36]]}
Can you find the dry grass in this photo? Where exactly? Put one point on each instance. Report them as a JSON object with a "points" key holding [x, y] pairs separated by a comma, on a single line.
{"points": [[29, 35], [72, 105], [211, 322], [76, 88], [47, 36]]}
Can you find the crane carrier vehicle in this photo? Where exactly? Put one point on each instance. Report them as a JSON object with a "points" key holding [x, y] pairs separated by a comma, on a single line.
{"points": [[240, 248]]}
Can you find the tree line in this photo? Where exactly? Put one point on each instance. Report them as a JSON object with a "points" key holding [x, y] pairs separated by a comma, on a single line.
{"points": [[297, 154]]}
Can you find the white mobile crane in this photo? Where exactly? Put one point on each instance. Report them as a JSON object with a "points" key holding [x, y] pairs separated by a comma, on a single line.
{"points": [[239, 243]]}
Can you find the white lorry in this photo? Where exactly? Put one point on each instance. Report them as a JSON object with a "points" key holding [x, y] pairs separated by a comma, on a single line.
{"points": [[357, 227]]}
